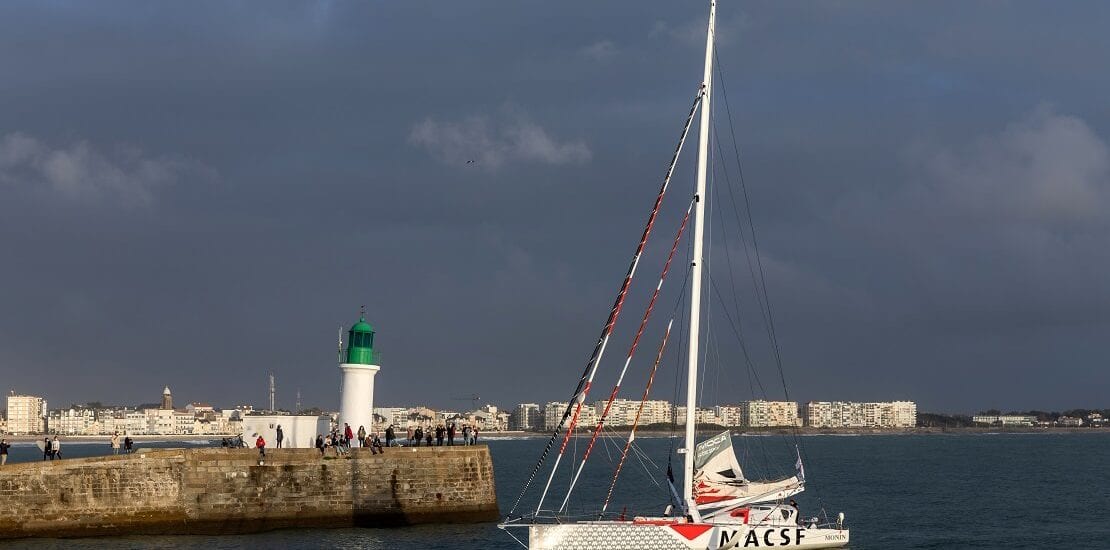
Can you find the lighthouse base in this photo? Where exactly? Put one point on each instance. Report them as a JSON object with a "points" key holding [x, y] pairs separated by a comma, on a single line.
{"points": [[356, 399]]}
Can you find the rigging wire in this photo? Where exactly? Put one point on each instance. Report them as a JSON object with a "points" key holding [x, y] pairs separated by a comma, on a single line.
{"points": [[755, 241], [738, 328], [632, 349], [770, 317], [579, 395], [639, 412]]}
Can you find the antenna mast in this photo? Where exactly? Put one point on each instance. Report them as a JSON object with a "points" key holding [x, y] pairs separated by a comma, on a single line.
{"points": [[271, 392]]}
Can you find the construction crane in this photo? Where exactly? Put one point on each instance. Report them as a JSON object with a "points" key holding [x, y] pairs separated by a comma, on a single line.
{"points": [[474, 400]]}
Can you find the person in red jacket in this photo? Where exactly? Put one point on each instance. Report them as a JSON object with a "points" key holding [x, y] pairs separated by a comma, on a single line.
{"points": [[261, 445]]}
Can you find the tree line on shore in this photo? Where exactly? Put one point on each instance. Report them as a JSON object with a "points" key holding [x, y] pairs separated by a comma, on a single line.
{"points": [[940, 420]]}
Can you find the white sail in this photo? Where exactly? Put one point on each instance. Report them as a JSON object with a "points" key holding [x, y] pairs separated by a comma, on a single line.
{"points": [[719, 481]]}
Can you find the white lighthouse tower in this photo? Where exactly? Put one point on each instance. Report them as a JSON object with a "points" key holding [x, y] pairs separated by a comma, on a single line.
{"points": [[356, 398]]}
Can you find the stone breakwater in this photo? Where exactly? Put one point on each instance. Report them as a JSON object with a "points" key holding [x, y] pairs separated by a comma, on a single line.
{"points": [[226, 491]]}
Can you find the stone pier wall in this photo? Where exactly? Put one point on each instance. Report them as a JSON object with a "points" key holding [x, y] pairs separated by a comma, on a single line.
{"points": [[212, 491]]}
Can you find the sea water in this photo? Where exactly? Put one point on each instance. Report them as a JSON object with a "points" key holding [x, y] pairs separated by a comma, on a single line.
{"points": [[896, 491]]}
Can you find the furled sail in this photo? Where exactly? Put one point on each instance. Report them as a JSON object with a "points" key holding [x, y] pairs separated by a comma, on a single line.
{"points": [[719, 481]]}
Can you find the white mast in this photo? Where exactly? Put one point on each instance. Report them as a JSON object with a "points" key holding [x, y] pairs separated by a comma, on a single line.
{"points": [[695, 272]]}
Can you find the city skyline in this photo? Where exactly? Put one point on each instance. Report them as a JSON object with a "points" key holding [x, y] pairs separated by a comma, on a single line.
{"points": [[476, 403], [26, 414], [931, 191]]}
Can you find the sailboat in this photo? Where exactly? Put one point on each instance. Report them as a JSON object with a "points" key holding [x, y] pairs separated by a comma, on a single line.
{"points": [[718, 508]]}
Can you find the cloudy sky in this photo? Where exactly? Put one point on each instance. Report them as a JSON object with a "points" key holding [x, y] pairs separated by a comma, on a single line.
{"points": [[199, 194]]}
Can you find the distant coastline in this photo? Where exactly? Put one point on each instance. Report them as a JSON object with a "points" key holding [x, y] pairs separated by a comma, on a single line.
{"points": [[823, 431], [651, 433]]}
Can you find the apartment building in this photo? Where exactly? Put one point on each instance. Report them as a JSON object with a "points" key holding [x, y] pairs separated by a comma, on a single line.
{"points": [[848, 414], [769, 414], [26, 414]]}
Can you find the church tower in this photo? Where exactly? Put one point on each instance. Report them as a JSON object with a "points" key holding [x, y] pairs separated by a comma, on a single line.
{"points": [[167, 399], [356, 399]]}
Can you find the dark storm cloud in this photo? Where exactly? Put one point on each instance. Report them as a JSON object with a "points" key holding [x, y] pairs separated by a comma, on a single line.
{"points": [[199, 194]]}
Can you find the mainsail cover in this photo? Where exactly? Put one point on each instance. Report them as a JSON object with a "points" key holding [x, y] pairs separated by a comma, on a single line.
{"points": [[719, 480]]}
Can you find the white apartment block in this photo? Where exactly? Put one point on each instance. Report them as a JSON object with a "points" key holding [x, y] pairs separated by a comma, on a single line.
{"points": [[729, 415], [657, 411], [1005, 420], [702, 415], [848, 414], [623, 412], [73, 422], [26, 414], [527, 416], [769, 414], [903, 414], [553, 413]]}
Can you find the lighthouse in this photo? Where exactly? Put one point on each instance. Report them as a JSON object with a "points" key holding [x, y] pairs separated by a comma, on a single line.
{"points": [[356, 398]]}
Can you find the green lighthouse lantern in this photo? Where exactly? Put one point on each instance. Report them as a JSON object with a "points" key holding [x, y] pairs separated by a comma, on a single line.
{"points": [[360, 343]]}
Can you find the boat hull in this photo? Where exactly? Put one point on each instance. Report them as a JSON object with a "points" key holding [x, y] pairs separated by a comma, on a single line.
{"points": [[678, 536]]}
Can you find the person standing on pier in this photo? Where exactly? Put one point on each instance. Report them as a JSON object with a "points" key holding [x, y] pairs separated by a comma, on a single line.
{"points": [[280, 436], [390, 436], [362, 436], [320, 444], [260, 443], [451, 434], [474, 436], [428, 437], [348, 434], [47, 450], [115, 443], [56, 449], [418, 436], [4, 446], [127, 443], [440, 432]]}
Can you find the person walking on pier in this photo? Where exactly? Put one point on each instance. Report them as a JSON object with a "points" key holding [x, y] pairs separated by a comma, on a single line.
{"points": [[280, 436], [362, 436], [4, 446], [390, 437], [115, 443], [320, 444], [57, 449], [127, 444], [451, 434], [47, 450], [260, 443]]}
